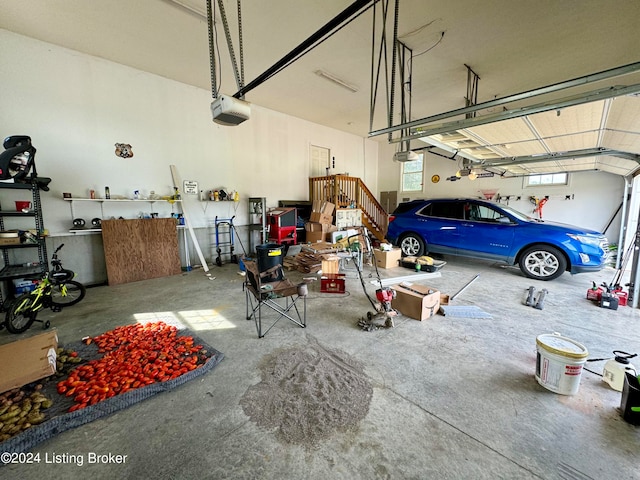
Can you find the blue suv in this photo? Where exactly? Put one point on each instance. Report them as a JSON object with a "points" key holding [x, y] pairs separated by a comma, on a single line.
{"points": [[483, 229]]}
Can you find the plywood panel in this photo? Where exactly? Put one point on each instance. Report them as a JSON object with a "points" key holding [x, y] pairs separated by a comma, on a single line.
{"points": [[140, 249]]}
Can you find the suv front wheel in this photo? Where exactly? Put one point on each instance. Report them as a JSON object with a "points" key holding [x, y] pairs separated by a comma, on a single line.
{"points": [[542, 262], [412, 245]]}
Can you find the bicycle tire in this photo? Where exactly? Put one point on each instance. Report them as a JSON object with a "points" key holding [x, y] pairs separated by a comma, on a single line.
{"points": [[19, 317], [75, 291]]}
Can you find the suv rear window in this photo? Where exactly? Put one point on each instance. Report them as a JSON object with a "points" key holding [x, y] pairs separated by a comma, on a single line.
{"points": [[404, 207], [444, 210]]}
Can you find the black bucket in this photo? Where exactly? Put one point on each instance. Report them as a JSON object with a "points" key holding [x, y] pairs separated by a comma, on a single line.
{"points": [[270, 255]]}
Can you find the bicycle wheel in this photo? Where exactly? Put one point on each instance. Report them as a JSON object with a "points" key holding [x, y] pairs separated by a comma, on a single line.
{"points": [[19, 316], [67, 293]]}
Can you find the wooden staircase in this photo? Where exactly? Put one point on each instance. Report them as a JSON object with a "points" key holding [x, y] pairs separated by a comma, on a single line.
{"points": [[345, 192]]}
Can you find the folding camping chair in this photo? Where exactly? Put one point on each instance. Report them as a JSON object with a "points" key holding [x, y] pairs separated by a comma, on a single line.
{"points": [[280, 295]]}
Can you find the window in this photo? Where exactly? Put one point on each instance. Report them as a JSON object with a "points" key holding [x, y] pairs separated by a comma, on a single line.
{"points": [[482, 213], [547, 179], [412, 175], [444, 210]]}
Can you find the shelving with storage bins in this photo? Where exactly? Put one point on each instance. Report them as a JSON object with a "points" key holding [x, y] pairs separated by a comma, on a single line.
{"points": [[21, 269], [121, 201]]}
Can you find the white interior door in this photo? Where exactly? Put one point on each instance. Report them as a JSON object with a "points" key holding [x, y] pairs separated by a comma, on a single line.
{"points": [[319, 161]]}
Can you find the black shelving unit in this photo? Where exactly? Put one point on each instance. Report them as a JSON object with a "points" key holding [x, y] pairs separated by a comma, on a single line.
{"points": [[11, 271], [257, 222]]}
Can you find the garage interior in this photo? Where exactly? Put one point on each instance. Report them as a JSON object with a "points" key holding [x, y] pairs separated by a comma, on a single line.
{"points": [[490, 97]]}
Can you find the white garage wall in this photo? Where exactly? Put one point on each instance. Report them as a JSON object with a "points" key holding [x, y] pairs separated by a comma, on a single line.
{"points": [[595, 195], [76, 107]]}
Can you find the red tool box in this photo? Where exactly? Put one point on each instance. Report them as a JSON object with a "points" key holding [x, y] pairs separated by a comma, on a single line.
{"points": [[332, 283], [282, 225]]}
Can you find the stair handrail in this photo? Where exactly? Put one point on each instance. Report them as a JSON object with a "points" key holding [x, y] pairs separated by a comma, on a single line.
{"points": [[346, 191]]}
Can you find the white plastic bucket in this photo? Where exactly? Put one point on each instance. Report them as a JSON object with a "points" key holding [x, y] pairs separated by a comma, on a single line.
{"points": [[559, 363]]}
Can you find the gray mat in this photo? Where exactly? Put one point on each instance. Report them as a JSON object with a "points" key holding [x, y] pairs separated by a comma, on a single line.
{"points": [[61, 420], [464, 311]]}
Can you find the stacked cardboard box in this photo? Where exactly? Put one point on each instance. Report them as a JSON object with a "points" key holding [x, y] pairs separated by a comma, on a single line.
{"points": [[322, 212], [312, 258], [321, 221]]}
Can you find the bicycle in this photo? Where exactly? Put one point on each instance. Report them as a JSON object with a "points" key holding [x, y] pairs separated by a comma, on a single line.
{"points": [[56, 290]]}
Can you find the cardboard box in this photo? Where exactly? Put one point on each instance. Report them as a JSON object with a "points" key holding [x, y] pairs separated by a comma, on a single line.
{"points": [[324, 207], [330, 263], [444, 299], [388, 259], [416, 301], [322, 212], [27, 360], [316, 232], [321, 218], [10, 241]]}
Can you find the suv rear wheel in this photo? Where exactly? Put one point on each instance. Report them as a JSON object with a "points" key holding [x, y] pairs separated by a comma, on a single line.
{"points": [[412, 245], [542, 262]]}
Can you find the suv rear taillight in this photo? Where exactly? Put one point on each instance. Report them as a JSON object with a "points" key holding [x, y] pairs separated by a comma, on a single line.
{"points": [[391, 218]]}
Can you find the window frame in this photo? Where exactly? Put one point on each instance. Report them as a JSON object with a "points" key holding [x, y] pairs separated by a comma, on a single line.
{"points": [[416, 173], [528, 178]]}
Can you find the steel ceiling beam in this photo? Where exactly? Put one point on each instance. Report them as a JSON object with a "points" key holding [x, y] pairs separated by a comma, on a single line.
{"points": [[587, 152], [332, 26], [595, 77], [520, 112]]}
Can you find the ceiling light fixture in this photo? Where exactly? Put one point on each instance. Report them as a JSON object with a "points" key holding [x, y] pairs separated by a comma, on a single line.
{"points": [[332, 78]]}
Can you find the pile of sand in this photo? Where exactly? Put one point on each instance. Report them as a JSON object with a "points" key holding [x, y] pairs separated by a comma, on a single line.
{"points": [[307, 393]]}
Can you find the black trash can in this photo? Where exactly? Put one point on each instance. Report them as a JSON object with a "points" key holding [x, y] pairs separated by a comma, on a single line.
{"points": [[630, 398], [270, 255]]}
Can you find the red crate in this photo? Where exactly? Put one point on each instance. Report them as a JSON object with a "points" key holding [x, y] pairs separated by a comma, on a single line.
{"points": [[332, 283]]}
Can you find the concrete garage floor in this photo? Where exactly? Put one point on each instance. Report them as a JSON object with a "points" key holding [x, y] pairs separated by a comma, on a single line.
{"points": [[453, 398]]}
